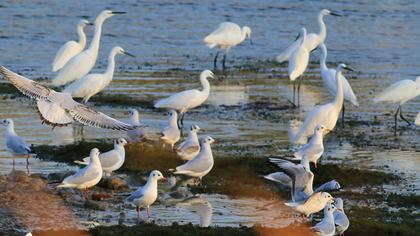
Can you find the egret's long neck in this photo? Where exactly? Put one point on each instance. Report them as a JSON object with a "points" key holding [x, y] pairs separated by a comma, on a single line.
{"points": [[111, 65], [94, 45], [82, 36], [243, 34], [206, 85], [323, 61], [322, 28], [338, 100], [135, 119]]}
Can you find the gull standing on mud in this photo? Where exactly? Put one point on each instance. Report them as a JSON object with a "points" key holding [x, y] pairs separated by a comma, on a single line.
{"points": [[326, 114], [226, 36], [326, 227], [298, 64], [59, 109], [14, 143], [139, 133], [146, 195], [312, 39], [315, 148], [188, 149], [92, 84], [170, 134], [80, 65], [201, 165], [400, 92], [71, 48], [186, 100], [313, 204], [85, 177], [111, 160], [330, 83], [340, 218]]}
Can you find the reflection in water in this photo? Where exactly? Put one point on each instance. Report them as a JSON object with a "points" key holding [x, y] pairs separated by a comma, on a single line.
{"points": [[228, 95], [202, 207]]}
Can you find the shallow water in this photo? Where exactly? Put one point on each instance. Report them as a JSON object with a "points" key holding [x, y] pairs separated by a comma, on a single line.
{"points": [[377, 39]]}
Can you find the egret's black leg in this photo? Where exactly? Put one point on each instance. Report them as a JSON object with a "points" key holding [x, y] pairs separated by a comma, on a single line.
{"points": [[215, 60], [294, 92], [395, 120], [342, 116], [403, 118], [298, 89], [224, 61]]}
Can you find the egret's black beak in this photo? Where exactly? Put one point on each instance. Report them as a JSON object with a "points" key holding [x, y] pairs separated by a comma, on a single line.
{"points": [[335, 14], [297, 36], [250, 41], [118, 12], [89, 23], [348, 68], [129, 54]]}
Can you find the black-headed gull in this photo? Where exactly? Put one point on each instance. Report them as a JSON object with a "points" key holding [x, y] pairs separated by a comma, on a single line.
{"points": [[139, 133], [326, 227], [340, 218], [85, 177], [146, 195], [14, 143], [188, 149], [170, 134], [202, 164], [111, 160], [314, 203]]}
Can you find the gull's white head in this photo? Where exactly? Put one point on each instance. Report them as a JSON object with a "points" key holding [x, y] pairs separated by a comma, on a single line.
{"points": [[119, 50], [120, 142], [326, 12], [339, 203], [208, 140], [94, 152], [326, 197], [133, 112], [172, 114], [8, 123], [156, 175], [195, 128], [107, 14], [207, 74], [83, 23], [329, 208], [321, 129]]}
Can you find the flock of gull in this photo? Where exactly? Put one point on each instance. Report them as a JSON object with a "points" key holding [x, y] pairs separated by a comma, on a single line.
{"points": [[73, 62]]}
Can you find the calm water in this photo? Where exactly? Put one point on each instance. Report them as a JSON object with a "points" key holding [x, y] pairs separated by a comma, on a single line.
{"points": [[380, 40]]}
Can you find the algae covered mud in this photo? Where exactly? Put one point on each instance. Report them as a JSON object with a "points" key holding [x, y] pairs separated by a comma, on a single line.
{"points": [[248, 112]]}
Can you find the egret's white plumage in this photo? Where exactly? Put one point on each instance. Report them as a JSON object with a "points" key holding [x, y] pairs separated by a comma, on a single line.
{"points": [[71, 48], [14, 143], [58, 109], [340, 218], [146, 195], [314, 203], [326, 114], [188, 149], [202, 164], [80, 65], [111, 160], [315, 148], [171, 134], [326, 227], [92, 84], [85, 177], [226, 36], [139, 133], [312, 39]]}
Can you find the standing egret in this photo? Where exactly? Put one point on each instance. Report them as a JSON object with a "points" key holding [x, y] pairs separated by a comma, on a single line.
{"points": [[71, 48], [298, 64], [328, 77], [313, 39], [226, 36], [326, 114], [81, 64], [92, 84], [400, 92], [188, 99]]}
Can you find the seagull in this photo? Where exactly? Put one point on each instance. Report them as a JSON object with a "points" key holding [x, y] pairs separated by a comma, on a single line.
{"points": [[59, 109], [202, 164], [111, 160], [298, 64], [170, 134], [71, 48], [202, 207], [226, 36], [417, 122], [85, 177], [326, 114], [188, 149], [328, 77], [146, 195], [188, 99], [80, 65], [314, 203], [313, 39], [139, 133], [315, 148], [400, 92], [340, 218], [14, 143], [92, 84], [326, 227]]}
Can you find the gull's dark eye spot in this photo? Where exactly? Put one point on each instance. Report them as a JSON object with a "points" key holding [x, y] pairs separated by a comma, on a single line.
{"points": [[154, 175]]}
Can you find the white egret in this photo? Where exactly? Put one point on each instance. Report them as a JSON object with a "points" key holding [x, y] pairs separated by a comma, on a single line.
{"points": [[81, 64], [330, 83], [313, 39], [71, 48], [92, 84], [59, 109], [226, 36], [185, 100], [400, 92], [298, 64], [326, 114], [146, 195]]}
